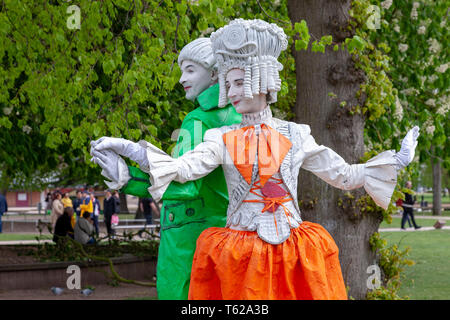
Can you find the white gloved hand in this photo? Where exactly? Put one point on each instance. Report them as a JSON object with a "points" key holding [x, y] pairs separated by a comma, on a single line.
{"points": [[108, 161], [409, 143], [113, 167], [123, 147]]}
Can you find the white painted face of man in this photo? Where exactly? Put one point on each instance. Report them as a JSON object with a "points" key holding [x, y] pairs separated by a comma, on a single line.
{"points": [[235, 91], [195, 78]]}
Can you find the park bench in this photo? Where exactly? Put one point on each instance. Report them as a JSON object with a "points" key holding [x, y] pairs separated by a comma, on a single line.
{"points": [[130, 224]]}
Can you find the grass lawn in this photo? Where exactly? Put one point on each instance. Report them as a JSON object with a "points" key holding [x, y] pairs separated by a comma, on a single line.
{"points": [[21, 236], [397, 223], [429, 197], [429, 278]]}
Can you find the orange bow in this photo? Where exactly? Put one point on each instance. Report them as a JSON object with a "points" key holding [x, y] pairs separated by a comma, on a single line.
{"points": [[244, 143]]}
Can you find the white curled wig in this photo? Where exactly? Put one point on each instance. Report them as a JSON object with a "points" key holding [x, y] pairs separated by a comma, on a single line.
{"points": [[253, 46], [199, 51]]}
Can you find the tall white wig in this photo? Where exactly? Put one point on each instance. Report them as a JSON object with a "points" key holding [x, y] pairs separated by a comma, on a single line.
{"points": [[253, 46], [199, 51]]}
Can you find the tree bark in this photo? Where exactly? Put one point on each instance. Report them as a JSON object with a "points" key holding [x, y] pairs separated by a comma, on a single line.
{"points": [[333, 126], [437, 186]]}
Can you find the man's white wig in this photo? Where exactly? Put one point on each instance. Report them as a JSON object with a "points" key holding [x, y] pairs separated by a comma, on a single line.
{"points": [[199, 51], [253, 46]]}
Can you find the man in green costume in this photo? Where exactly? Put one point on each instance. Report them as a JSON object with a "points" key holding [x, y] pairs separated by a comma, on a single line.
{"points": [[188, 208]]}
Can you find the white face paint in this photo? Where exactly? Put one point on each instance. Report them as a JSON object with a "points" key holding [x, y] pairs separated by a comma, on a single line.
{"points": [[235, 91], [195, 79]]}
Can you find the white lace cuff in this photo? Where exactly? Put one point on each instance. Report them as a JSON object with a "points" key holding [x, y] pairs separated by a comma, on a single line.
{"points": [[381, 177]]}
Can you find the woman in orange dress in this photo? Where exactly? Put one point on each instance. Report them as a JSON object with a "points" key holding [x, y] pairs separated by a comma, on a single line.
{"points": [[265, 250]]}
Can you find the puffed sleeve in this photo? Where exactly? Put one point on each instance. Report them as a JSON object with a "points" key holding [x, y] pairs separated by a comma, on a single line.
{"points": [[193, 165], [378, 175]]}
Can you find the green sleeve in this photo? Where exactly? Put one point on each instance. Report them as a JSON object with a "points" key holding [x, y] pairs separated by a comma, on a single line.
{"points": [[138, 184], [191, 189]]}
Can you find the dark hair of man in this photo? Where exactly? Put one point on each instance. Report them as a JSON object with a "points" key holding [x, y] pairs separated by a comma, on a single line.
{"points": [[68, 210]]}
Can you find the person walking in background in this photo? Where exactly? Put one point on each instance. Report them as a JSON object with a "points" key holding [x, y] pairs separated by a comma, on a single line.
{"points": [[76, 203], [57, 209], [407, 205], [109, 208], [117, 198], [63, 225], [148, 206], [95, 211], [48, 201], [3, 209]]}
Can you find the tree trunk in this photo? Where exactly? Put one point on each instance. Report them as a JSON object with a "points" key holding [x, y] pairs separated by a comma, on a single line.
{"points": [[333, 126], [437, 186]]}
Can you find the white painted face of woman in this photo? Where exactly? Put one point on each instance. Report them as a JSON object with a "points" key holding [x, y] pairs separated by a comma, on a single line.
{"points": [[235, 92], [195, 79]]}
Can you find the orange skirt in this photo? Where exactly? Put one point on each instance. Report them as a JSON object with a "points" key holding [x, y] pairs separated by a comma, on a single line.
{"points": [[238, 265]]}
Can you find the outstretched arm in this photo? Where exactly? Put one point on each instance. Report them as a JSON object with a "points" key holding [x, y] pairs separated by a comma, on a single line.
{"points": [[164, 169], [378, 176]]}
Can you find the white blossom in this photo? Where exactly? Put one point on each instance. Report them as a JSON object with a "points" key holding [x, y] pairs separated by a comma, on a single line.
{"points": [[442, 110], [422, 80], [445, 106], [207, 31], [435, 46], [432, 78], [398, 114], [403, 79], [397, 28], [386, 4], [414, 13], [7, 111], [442, 68], [430, 129], [26, 129], [402, 47], [422, 30], [429, 126], [429, 61], [410, 91], [442, 24], [430, 102]]}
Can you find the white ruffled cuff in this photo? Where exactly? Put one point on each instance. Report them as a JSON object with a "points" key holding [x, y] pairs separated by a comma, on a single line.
{"points": [[381, 177], [163, 169], [123, 174]]}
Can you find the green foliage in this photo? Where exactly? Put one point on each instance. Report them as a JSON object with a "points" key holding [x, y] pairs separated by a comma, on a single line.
{"points": [[392, 261], [68, 250], [116, 75], [302, 29], [416, 35]]}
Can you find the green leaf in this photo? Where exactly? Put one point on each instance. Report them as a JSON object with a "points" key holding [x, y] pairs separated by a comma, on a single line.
{"points": [[109, 66]]}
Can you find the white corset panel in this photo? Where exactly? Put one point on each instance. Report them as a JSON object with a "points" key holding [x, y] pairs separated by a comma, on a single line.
{"points": [[249, 217]]}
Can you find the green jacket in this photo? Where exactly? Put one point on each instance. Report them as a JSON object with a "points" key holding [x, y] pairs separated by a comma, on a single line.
{"points": [[188, 208]]}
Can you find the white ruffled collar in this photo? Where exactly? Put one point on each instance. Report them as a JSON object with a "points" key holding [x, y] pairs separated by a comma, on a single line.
{"points": [[249, 119]]}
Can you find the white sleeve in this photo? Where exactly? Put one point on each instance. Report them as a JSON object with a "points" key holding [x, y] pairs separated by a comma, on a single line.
{"points": [[193, 165], [378, 175]]}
